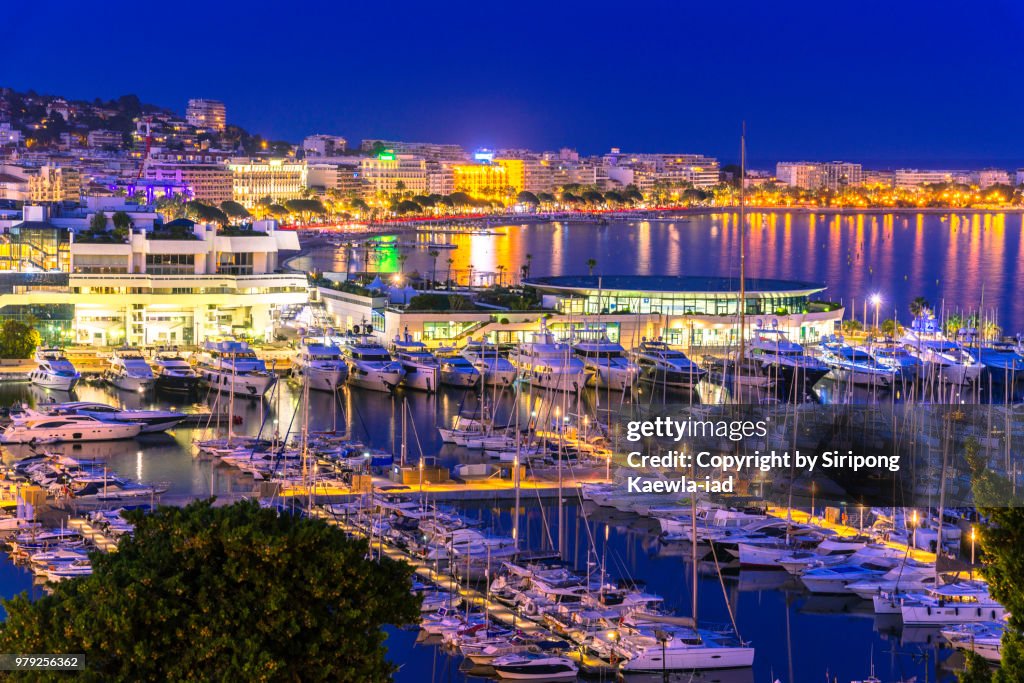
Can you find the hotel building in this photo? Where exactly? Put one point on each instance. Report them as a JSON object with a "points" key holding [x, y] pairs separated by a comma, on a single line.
{"points": [[211, 183], [279, 179], [382, 174]]}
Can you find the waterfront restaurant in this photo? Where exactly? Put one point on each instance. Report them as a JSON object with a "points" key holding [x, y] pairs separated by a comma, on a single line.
{"points": [[684, 311]]}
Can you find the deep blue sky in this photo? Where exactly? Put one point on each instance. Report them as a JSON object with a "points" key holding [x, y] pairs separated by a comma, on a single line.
{"points": [[893, 81]]}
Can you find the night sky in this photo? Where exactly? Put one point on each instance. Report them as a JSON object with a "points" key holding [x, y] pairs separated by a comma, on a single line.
{"points": [[927, 83]]}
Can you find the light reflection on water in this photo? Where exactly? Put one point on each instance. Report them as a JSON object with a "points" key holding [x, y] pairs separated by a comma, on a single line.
{"points": [[959, 262], [785, 625]]}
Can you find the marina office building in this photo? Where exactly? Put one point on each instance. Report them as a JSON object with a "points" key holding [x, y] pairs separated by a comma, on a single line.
{"points": [[685, 311], [178, 283]]}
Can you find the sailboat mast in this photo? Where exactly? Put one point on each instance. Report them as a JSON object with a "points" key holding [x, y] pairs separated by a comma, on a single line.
{"points": [[743, 240]]}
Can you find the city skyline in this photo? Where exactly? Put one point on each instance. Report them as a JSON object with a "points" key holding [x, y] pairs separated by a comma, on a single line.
{"points": [[650, 84]]}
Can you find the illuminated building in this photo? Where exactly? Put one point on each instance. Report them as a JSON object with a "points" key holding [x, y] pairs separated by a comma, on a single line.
{"points": [[9, 135], [209, 183], [323, 145], [428, 150], [988, 177], [105, 138], [646, 170], [13, 183], [54, 184], [207, 114], [162, 286], [483, 180], [814, 175], [905, 178], [341, 176], [279, 179], [389, 173]]}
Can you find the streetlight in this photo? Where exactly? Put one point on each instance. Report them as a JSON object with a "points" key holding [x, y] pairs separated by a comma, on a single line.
{"points": [[876, 301]]}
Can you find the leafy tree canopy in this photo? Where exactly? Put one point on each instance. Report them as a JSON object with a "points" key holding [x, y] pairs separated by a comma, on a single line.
{"points": [[236, 593], [233, 209], [18, 339]]}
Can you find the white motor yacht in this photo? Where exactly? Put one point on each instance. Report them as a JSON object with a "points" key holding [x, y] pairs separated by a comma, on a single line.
{"points": [[129, 370], [784, 359], [369, 364], [951, 604], [606, 363], [529, 666], [150, 420], [894, 356], [35, 427], [855, 365], [421, 369], [493, 367], [663, 365], [457, 370], [53, 370], [232, 367], [548, 364], [322, 364], [944, 358]]}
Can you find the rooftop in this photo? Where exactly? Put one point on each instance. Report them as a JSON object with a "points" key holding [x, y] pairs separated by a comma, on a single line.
{"points": [[670, 284]]}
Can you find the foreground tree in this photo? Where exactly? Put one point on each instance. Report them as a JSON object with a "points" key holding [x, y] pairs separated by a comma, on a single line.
{"points": [[18, 339], [231, 593]]}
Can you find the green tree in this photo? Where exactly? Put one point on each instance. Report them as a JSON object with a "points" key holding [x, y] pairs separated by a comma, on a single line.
{"points": [[954, 324], [18, 339], [525, 197], [235, 210], [122, 225], [890, 328], [976, 670], [852, 326], [227, 593], [204, 213], [98, 222], [402, 258]]}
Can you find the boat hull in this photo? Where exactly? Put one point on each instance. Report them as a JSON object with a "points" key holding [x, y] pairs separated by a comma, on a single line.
{"points": [[48, 380]]}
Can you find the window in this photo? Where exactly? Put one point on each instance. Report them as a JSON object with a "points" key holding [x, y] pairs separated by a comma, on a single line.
{"points": [[171, 264], [231, 263]]}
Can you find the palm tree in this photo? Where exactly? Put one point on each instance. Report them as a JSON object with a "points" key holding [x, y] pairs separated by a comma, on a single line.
{"points": [[920, 306], [433, 253], [529, 266], [501, 274], [349, 247], [448, 273], [591, 264], [524, 272], [402, 258], [954, 323], [469, 282]]}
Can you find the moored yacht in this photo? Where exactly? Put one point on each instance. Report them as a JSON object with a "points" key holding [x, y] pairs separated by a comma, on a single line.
{"points": [[943, 358], [421, 369], [894, 356], [35, 427], [785, 359], [548, 364], [322, 364], [457, 370], [493, 367], [952, 604], [855, 365], [53, 370], [149, 420], [369, 364], [606, 363], [661, 364], [175, 374], [530, 666], [129, 370], [232, 367]]}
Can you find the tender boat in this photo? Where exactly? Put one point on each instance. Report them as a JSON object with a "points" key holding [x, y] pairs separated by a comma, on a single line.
{"points": [[129, 370], [149, 420], [661, 364], [175, 374], [493, 367], [421, 369], [53, 370], [606, 363], [855, 365], [369, 364], [457, 370], [548, 364], [35, 427], [322, 364], [232, 367]]}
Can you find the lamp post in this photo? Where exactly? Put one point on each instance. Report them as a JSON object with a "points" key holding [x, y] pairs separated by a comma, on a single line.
{"points": [[974, 536], [913, 522], [876, 301]]}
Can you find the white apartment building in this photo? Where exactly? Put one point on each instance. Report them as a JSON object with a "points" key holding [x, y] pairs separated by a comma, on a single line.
{"points": [[988, 177], [816, 175], [387, 174], [323, 145], [906, 178], [254, 179], [427, 150], [208, 114], [9, 135], [105, 138]]}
